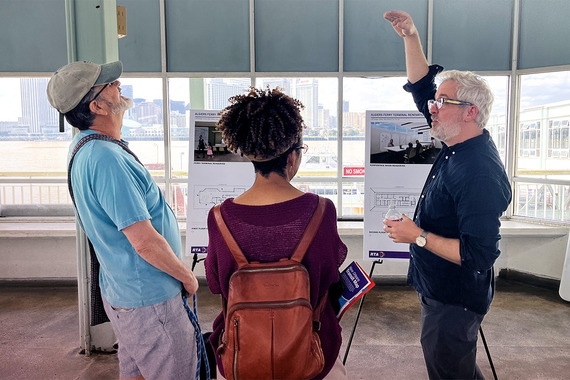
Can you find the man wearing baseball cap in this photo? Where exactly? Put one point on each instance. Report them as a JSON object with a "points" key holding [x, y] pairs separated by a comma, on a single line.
{"points": [[131, 227]]}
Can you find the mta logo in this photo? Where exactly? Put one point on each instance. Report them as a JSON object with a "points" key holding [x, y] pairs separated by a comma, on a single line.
{"points": [[199, 249]]}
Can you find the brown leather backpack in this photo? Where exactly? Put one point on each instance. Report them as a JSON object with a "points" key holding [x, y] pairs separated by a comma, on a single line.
{"points": [[270, 327]]}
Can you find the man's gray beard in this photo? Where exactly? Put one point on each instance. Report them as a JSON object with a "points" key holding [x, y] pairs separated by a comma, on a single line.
{"points": [[445, 132], [123, 105]]}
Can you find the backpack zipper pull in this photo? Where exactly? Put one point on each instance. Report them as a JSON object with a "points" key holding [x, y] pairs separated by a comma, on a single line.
{"points": [[236, 338]]}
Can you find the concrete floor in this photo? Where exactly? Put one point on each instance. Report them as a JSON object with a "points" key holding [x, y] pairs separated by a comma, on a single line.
{"points": [[527, 330]]}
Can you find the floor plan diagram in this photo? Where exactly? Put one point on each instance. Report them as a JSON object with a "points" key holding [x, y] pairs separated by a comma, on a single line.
{"points": [[207, 196], [405, 200]]}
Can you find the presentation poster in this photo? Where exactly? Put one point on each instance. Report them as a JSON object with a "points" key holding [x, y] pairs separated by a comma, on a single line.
{"points": [[399, 154], [214, 174]]}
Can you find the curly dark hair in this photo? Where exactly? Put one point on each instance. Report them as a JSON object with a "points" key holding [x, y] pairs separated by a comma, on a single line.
{"points": [[262, 125]]}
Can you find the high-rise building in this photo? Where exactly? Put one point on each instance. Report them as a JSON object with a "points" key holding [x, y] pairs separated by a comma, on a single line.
{"points": [[147, 113], [37, 113], [219, 90], [178, 106], [307, 91]]}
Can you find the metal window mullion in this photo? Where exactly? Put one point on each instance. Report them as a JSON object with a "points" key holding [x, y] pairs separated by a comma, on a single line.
{"points": [[429, 37], [252, 61], [340, 121], [165, 105], [513, 99], [541, 181]]}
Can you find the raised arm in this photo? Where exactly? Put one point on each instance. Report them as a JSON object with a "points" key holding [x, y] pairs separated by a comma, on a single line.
{"points": [[416, 62]]}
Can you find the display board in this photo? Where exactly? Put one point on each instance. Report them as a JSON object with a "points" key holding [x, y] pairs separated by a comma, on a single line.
{"points": [[214, 174], [399, 154]]}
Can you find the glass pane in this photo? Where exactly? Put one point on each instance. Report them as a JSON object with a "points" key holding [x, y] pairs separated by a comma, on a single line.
{"points": [[319, 96], [140, 49], [207, 93], [296, 36], [143, 124], [179, 199], [543, 126], [539, 21], [497, 124], [543, 201], [456, 22], [361, 95], [33, 35], [207, 36], [353, 199], [30, 141], [370, 43], [17, 193]]}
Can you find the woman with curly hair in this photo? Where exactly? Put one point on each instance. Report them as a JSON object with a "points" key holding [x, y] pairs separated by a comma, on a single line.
{"points": [[269, 218]]}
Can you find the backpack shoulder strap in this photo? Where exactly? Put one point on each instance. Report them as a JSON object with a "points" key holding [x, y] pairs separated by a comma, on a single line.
{"points": [[318, 312], [310, 231], [229, 239]]}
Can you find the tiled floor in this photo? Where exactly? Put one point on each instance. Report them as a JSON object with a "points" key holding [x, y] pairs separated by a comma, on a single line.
{"points": [[527, 330]]}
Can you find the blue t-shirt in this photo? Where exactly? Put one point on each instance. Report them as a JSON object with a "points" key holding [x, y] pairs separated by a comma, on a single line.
{"points": [[465, 194], [113, 191]]}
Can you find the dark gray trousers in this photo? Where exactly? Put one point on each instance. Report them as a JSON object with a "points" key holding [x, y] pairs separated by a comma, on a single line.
{"points": [[449, 340]]}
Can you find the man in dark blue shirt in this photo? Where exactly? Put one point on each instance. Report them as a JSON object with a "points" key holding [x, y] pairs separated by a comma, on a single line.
{"points": [[455, 232]]}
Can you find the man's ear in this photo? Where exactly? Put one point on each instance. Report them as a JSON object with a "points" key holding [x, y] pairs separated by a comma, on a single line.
{"points": [[471, 113], [96, 109]]}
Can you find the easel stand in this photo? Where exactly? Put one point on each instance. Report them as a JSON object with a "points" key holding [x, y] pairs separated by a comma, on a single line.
{"points": [[358, 317], [196, 260], [358, 313]]}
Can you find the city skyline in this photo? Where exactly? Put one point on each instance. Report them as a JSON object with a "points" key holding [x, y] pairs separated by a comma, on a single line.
{"points": [[318, 94]]}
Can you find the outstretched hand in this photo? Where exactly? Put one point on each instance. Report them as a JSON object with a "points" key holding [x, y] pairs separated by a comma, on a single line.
{"points": [[401, 22]]}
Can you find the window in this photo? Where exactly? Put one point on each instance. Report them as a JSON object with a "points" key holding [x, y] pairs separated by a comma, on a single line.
{"points": [[33, 168], [543, 201], [319, 96], [143, 125], [542, 172], [367, 94], [195, 93], [558, 139]]}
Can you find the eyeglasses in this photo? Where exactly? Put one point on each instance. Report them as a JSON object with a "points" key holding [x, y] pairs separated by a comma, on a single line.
{"points": [[304, 148], [439, 102], [114, 83], [99, 93]]}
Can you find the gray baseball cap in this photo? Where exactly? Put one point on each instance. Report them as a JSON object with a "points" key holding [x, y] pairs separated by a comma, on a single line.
{"points": [[70, 83]]}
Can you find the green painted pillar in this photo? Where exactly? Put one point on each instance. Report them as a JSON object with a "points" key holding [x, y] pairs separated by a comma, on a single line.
{"points": [[197, 94], [92, 30]]}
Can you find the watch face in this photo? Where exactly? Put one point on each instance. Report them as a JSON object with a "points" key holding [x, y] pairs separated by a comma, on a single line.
{"points": [[421, 241]]}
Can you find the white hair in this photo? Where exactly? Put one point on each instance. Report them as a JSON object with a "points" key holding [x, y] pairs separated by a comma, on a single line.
{"points": [[473, 89]]}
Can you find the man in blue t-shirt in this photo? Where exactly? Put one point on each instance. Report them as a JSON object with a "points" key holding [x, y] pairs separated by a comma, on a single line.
{"points": [[133, 230], [454, 236]]}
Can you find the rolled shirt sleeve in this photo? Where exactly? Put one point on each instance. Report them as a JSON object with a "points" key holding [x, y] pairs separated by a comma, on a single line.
{"points": [[424, 90], [479, 207]]}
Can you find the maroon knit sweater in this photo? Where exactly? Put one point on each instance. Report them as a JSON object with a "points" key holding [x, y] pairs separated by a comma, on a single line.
{"points": [[269, 233]]}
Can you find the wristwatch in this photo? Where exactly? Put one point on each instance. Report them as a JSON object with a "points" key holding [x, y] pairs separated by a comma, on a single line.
{"points": [[421, 240]]}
